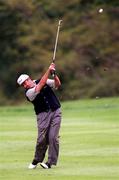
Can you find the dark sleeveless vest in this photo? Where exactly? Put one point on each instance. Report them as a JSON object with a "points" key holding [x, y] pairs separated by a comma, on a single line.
{"points": [[46, 100]]}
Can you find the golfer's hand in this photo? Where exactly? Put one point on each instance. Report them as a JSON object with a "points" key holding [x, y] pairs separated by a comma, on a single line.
{"points": [[52, 70], [52, 67]]}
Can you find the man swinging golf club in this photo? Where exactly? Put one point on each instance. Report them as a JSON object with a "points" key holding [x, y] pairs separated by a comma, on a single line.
{"points": [[47, 109]]}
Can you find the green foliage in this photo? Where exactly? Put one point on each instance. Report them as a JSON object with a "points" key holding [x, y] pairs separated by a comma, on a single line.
{"points": [[87, 57]]}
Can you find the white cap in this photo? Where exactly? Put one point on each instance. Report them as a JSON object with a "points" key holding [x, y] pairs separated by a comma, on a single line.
{"points": [[22, 78]]}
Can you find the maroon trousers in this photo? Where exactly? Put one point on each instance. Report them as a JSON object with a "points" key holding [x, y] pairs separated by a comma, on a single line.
{"points": [[48, 136]]}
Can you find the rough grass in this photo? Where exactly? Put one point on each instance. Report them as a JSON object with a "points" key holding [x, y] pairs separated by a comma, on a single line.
{"points": [[89, 142]]}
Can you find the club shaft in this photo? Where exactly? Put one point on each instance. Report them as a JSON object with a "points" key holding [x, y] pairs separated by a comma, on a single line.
{"points": [[56, 41]]}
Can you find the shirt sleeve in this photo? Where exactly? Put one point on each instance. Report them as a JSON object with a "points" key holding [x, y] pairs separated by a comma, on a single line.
{"points": [[31, 94], [51, 83]]}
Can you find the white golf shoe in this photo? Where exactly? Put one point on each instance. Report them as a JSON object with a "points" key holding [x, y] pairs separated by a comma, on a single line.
{"points": [[31, 166], [45, 165]]}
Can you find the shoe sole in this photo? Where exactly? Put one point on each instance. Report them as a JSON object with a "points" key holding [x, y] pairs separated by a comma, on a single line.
{"points": [[43, 165]]}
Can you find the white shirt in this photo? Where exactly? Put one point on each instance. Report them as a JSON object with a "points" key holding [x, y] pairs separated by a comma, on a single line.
{"points": [[31, 93]]}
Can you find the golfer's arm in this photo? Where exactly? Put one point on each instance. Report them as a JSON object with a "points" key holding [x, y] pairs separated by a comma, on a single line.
{"points": [[57, 81], [42, 82]]}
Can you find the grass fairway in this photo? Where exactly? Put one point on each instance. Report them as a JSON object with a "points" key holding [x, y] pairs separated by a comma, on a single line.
{"points": [[89, 142]]}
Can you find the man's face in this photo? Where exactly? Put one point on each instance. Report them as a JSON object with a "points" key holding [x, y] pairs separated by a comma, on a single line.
{"points": [[28, 83]]}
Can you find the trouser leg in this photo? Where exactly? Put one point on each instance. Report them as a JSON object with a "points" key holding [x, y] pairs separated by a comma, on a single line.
{"points": [[41, 148], [53, 150], [42, 139]]}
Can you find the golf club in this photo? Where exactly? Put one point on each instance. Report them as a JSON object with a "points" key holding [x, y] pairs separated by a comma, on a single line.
{"points": [[56, 41]]}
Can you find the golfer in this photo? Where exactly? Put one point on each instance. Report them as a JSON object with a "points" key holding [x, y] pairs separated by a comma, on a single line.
{"points": [[47, 109]]}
